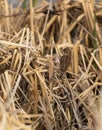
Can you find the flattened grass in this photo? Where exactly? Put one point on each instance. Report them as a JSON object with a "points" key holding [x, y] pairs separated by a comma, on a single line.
{"points": [[33, 95]]}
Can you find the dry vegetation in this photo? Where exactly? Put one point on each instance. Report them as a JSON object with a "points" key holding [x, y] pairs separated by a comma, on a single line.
{"points": [[51, 66]]}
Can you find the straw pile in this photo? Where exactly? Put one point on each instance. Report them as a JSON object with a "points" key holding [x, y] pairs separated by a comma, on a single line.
{"points": [[51, 66]]}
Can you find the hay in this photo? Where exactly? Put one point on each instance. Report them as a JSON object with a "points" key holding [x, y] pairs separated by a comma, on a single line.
{"points": [[37, 90]]}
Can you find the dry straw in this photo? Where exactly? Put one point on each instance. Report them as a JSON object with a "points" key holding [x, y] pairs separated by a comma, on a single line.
{"points": [[36, 92]]}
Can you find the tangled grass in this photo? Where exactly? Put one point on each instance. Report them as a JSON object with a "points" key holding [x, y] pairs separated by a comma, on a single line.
{"points": [[33, 40]]}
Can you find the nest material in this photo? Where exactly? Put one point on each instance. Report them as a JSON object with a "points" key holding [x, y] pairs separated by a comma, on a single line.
{"points": [[33, 56]]}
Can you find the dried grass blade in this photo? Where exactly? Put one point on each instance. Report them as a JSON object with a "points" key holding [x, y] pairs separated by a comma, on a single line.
{"points": [[75, 57]]}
